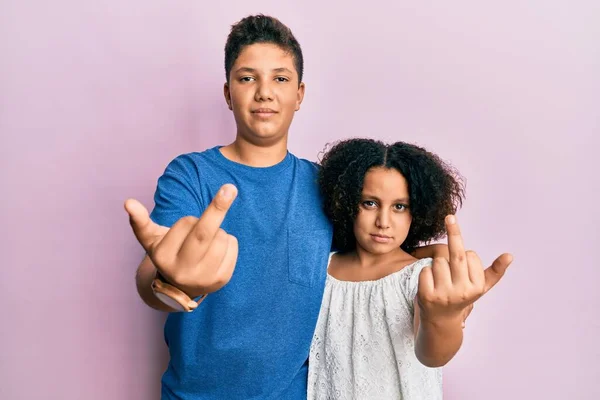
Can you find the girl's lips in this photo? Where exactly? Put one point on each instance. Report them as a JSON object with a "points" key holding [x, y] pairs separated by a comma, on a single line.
{"points": [[381, 238]]}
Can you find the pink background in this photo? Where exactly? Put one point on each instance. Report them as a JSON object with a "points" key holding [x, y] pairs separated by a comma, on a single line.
{"points": [[97, 97]]}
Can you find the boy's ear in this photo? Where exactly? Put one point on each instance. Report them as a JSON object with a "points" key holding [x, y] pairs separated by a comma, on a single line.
{"points": [[300, 95], [227, 95]]}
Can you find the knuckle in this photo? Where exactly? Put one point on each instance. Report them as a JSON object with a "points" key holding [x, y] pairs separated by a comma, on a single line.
{"points": [[189, 219], [161, 258], [221, 279], [232, 239], [209, 280], [460, 257], [444, 300], [439, 261], [178, 278], [220, 206], [201, 233], [224, 280], [427, 297], [221, 237]]}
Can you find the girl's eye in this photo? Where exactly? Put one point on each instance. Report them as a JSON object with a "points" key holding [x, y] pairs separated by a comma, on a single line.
{"points": [[369, 204], [401, 207]]}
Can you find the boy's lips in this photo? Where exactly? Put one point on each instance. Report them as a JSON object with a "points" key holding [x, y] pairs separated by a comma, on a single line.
{"points": [[264, 111]]}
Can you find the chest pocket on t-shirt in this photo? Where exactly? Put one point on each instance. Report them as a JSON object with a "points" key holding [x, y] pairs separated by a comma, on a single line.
{"points": [[308, 251]]}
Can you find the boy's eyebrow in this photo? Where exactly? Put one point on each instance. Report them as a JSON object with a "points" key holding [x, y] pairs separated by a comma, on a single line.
{"points": [[400, 200], [282, 69], [245, 69], [248, 69]]}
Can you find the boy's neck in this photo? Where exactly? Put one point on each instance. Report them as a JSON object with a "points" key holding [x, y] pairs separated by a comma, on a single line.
{"points": [[253, 155]]}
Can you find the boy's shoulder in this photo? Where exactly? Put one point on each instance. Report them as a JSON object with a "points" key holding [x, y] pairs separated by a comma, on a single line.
{"points": [[195, 156], [190, 161], [312, 165]]}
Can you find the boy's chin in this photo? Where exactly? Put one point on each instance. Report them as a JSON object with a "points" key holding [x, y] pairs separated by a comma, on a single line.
{"points": [[265, 136]]}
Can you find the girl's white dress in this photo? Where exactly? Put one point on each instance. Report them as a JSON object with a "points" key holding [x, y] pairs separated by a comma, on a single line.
{"points": [[363, 346]]}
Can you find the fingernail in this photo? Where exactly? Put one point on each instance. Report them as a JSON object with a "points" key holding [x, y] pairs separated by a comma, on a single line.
{"points": [[226, 193], [451, 219], [192, 304]]}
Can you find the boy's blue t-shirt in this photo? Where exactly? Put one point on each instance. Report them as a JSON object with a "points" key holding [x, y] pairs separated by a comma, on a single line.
{"points": [[250, 339]]}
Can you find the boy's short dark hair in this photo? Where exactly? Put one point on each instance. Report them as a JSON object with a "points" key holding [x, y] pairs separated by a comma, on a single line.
{"points": [[261, 29], [436, 189]]}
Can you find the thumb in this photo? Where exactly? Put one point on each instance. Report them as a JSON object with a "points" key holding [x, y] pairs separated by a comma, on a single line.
{"points": [[144, 228], [496, 271]]}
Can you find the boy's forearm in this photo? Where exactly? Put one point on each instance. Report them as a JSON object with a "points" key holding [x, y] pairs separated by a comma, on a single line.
{"points": [[438, 341], [143, 280]]}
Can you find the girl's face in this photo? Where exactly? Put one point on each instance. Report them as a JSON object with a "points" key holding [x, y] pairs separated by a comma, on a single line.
{"points": [[384, 217]]}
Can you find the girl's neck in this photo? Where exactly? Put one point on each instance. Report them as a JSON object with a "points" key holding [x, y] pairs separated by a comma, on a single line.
{"points": [[366, 259]]}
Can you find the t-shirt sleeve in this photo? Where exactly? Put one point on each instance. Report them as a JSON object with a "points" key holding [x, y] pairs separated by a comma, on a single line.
{"points": [[412, 285], [177, 193]]}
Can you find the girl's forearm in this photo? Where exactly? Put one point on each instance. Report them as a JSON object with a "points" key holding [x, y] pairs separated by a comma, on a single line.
{"points": [[438, 341]]}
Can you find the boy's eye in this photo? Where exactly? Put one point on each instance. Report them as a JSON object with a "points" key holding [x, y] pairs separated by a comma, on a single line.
{"points": [[281, 79], [246, 79]]}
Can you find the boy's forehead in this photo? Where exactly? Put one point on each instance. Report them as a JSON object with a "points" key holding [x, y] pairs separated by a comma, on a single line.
{"points": [[264, 56]]}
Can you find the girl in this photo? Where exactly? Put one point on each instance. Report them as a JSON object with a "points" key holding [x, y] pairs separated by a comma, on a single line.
{"points": [[388, 321]]}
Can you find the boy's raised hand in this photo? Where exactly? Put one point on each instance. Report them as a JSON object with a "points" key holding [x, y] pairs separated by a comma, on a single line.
{"points": [[195, 254]]}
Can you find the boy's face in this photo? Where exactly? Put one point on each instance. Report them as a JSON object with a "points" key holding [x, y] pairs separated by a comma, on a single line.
{"points": [[263, 93], [383, 218]]}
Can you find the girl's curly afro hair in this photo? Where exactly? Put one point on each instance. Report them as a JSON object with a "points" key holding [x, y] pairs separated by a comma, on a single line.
{"points": [[436, 189]]}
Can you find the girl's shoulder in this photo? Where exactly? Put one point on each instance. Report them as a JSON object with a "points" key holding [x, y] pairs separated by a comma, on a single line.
{"points": [[338, 262]]}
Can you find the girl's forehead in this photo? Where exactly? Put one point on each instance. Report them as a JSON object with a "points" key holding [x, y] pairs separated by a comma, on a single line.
{"points": [[385, 181]]}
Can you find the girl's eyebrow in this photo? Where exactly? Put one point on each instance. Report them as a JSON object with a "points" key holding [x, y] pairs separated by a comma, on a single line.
{"points": [[401, 200]]}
